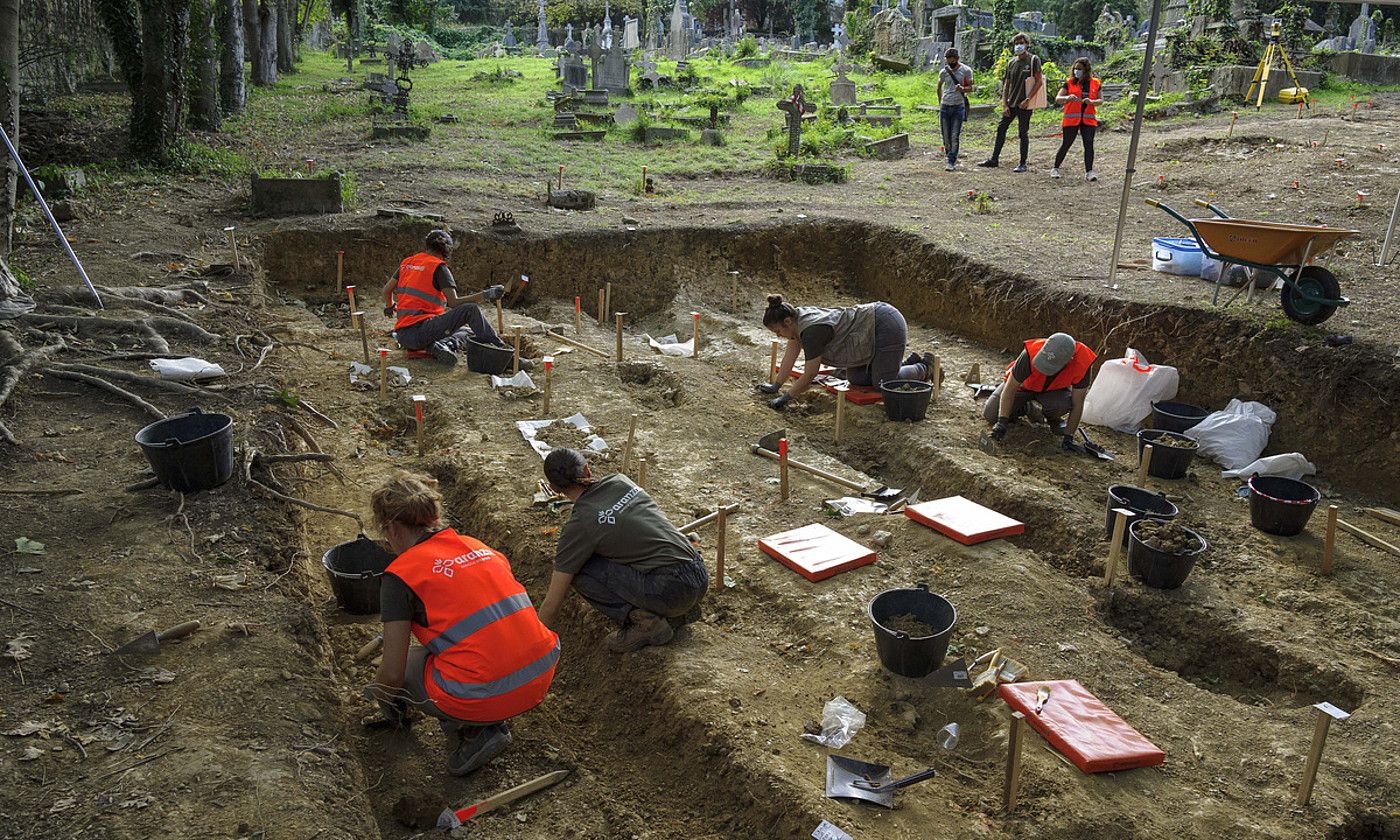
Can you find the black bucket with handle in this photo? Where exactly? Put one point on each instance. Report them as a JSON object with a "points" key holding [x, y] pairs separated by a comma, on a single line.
{"points": [[906, 655], [1167, 461], [1162, 569], [906, 399], [191, 451], [488, 358], [354, 569], [1141, 502], [1176, 416], [1279, 505]]}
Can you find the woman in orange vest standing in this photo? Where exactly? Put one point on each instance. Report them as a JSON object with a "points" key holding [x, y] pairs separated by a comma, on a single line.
{"points": [[1081, 98], [1054, 374], [484, 655]]}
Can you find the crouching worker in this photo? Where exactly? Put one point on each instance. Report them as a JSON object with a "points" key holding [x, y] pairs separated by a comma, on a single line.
{"points": [[867, 341], [1051, 372], [430, 314], [622, 555], [485, 657]]}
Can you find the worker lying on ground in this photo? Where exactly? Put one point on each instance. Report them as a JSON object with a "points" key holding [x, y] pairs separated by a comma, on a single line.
{"points": [[431, 315], [485, 656], [1051, 372], [622, 555], [867, 342]]}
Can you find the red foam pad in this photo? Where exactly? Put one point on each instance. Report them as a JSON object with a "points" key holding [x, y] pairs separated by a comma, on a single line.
{"points": [[816, 552], [855, 394], [1079, 725], [964, 520], [418, 354]]}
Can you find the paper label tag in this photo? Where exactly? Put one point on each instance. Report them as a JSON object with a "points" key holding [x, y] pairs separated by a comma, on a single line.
{"points": [[827, 831], [1328, 708]]}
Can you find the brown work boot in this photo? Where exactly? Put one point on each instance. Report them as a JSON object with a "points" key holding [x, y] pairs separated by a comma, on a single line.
{"points": [[643, 628]]}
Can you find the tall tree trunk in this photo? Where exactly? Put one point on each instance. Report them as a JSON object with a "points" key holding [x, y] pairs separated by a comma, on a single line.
{"points": [[267, 42], [159, 104], [9, 118], [204, 61], [284, 36], [123, 25], [232, 93], [252, 30]]}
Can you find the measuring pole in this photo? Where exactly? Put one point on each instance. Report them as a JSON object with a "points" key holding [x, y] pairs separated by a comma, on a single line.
{"points": [[1133, 143]]}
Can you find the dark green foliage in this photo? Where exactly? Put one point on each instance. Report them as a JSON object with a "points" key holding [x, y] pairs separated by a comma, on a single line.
{"points": [[1292, 15]]}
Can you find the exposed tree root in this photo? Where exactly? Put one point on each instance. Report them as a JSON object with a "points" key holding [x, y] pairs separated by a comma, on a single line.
{"points": [[252, 455], [17, 364], [86, 324], [97, 382], [136, 378]]}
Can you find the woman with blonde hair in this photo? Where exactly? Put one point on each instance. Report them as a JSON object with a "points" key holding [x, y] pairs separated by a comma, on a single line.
{"points": [[484, 655]]}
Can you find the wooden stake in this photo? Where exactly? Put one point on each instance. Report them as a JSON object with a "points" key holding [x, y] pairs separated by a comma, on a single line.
{"points": [[1234, 115], [618, 317], [937, 374], [418, 400], [783, 469], [500, 318], [515, 364], [1144, 463], [631, 439], [1368, 537], [1115, 548], [350, 291], [1384, 514], [1013, 761], [601, 309], [840, 411], [773, 362], [1319, 739], [233, 245], [1329, 544], [339, 270], [548, 375], [642, 473], [722, 524], [578, 314], [697, 524], [607, 297], [695, 334], [383, 374], [579, 344], [561, 176], [364, 333]]}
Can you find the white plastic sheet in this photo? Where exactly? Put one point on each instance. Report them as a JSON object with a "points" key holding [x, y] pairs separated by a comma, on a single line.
{"points": [[1236, 435], [519, 380], [850, 506], [670, 346], [530, 428], [365, 376], [1288, 465], [187, 369], [841, 720], [1123, 392]]}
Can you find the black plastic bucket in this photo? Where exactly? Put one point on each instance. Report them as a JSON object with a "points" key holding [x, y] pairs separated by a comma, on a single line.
{"points": [[1176, 416], [488, 358], [1279, 505], [1141, 502], [906, 404], [354, 569], [191, 451], [1159, 569], [912, 656], [1167, 461]]}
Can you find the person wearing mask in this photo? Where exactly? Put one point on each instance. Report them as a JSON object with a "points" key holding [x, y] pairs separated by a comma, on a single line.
{"points": [[1016, 99], [431, 316], [954, 82], [621, 553], [1051, 372], [867, 341], [1080, 96], [483, 657]]}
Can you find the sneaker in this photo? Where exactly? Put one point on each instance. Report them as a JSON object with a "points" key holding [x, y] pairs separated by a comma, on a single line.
{"points": [[643, 628], [913, 359], [689, 618], [990, 163], [1091, 175], [472, 753], [1020, 167], [526, 364], [444, 350], [950, 167], [1055, 172]]}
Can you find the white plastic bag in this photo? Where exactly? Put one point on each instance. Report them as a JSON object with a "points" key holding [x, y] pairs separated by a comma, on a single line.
{"points": [[1289, 465], [1235, 435], [841, 720], [672, 346], [1123, 392], [187, 369]]}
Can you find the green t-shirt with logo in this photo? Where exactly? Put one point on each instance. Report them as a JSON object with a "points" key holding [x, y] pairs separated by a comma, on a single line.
{"points": [[616, 520]]}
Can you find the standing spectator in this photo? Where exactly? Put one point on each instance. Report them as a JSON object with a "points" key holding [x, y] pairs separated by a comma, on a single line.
{"points": [[1016, 99], [952, 100], [1080, 96]]}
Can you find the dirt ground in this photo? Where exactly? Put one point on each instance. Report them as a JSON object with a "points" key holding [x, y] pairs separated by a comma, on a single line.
{"points": [[251, 728]]}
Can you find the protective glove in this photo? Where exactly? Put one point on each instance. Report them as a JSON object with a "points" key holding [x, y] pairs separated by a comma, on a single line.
{"points": [[389, 311], [395, 711], [493, 293], [768, 387], [999, 428], [1069, 444], [780, 402]]}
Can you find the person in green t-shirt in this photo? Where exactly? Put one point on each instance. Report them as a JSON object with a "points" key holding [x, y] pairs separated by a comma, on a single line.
{"points": [[1016, 99], [622, 555]]}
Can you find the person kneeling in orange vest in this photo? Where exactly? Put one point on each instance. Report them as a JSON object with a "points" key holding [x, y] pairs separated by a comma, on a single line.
{"points": [[430, 314], [1051, 372], [622, 555], [485, 656]]}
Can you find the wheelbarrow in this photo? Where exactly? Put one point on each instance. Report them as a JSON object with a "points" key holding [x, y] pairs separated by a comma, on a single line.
{"points": [[1310, 293]]}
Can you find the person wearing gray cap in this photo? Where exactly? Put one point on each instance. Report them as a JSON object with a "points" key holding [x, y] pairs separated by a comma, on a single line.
{"points": [[431, 316], [1054, 374]]}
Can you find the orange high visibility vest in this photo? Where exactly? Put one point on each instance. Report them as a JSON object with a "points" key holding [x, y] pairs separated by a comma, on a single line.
{"points": [[416, 296], [1073, 372], [1077, 112], [489, 656]]}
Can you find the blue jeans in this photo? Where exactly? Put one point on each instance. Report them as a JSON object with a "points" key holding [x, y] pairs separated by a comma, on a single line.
{"points": [[615, 589], [950, 119]]}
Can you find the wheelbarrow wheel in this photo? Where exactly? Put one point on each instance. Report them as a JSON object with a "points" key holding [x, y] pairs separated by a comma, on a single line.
{"points": [[1314, 281]]}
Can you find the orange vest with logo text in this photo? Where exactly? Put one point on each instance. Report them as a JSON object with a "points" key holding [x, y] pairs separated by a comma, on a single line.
{"points": [[1072, 373], [1081, 111], [416, 297], [490, 658]]}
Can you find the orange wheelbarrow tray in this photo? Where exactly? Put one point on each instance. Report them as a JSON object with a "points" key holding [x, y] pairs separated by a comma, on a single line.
{"points": [[1310, 293]]}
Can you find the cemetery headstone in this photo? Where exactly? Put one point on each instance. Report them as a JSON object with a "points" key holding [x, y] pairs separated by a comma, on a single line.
{"points": [[630, 41], [794, 107], [575, 74], [569, 43], [626, 114], [843, 90], [679, 43], [614, 72], [509, 41]]}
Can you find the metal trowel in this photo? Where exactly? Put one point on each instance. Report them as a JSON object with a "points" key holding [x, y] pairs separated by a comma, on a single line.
{"points": [[150, 642], [951, 676], [850, 778]]}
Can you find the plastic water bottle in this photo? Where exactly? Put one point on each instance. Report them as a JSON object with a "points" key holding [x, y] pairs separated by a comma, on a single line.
{"points": [[948, 736]]}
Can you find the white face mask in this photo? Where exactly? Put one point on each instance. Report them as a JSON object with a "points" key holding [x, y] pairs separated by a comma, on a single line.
{"points": [[1078, 74], [1018, 48]]}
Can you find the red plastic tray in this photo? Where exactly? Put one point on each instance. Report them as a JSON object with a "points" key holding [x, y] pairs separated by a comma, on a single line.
{"points": [[964, 520], [855, 394], [1079, 725], [816, 552]]}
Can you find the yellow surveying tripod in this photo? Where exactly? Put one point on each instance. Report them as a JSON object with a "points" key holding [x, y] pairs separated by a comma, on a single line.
{"points": [[1261, 74]]}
